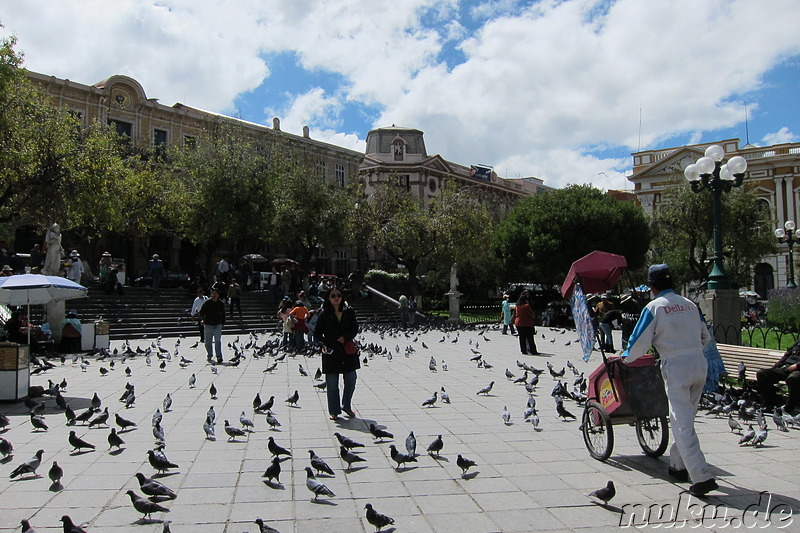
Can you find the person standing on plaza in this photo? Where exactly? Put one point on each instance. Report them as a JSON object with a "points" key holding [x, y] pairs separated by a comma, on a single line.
{"points": [[273, 285], [525, 326], [300, 328], [104, 266], [235, 297], [337, 327], [507, 313], [197, 304], [674, 326], [224, 269], [286, 325], [402, 303], [75, 270], [212, 318], [156, 271]]}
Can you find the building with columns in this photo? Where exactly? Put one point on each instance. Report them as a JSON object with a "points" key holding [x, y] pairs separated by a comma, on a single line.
{"points": [[773, 172]]}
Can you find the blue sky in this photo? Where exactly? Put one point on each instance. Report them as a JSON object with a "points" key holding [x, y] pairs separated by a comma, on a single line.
{"points": [[547, 88]]}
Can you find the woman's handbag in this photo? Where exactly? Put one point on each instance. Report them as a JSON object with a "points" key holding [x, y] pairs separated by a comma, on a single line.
{"points": [[350, 348]]}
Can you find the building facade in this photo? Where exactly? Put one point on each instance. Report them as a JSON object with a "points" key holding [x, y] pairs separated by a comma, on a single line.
{"points": [[773, 172]]}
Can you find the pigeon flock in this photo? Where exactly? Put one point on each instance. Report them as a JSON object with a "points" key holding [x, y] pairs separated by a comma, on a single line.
{"points": [[159, 427]]}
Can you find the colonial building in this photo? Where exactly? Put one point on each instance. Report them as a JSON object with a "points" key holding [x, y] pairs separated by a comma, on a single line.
{"points": [[398, 155], [772, 171]]}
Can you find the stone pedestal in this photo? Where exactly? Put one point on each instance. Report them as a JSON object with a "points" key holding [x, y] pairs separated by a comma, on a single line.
{"points": [[455, 313], [55, 315], [722, 310]]}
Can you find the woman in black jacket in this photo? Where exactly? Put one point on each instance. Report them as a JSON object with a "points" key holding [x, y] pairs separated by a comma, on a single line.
{"points": [[337, 325]]}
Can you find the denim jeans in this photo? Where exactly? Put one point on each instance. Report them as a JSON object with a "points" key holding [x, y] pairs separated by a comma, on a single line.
{"points": [[214, 335], [334, 406]]}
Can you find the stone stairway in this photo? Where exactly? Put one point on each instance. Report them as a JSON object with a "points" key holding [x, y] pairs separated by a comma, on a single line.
{"points": [[140, 311]]}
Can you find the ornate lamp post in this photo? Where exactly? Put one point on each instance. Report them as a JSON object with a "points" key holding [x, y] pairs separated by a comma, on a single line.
{"points": [[710, 173], [789, 236]]}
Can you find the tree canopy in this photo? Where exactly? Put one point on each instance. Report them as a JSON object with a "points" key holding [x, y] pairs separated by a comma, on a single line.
{"points": [[544, 234]]}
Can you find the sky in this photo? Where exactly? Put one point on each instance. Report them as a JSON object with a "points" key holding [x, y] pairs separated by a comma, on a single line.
{"points": [[562, 90]]}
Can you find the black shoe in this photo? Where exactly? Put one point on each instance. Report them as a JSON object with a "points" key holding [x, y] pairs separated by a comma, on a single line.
{"points": [[219, 361], [680, 475], [208, 361], [704, 487]]}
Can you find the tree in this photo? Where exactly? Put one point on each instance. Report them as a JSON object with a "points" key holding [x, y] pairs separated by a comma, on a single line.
{"points": [[454, 228], [682, 227], [544, 234]]}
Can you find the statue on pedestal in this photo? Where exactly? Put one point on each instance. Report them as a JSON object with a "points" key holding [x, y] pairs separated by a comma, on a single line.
{"points": [[453, 296], [52, 261]]}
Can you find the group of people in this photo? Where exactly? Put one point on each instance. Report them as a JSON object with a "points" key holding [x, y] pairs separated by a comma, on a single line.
{"points": [[522, 317], [21, 331]]}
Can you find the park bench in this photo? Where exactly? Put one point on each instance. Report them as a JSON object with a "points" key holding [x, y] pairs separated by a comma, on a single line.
{"points": [[754, 359]]}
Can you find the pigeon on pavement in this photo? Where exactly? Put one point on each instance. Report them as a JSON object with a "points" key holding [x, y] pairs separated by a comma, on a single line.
{"points": [[55, 473], [605, 494], [432, 400], [748, 435], [78, 443], [145, 506], [400, 458], [377, 519], [275, 449], [436, 446], [464, 464], [273, 470], [487, 389], [347, 442], [153, 487], [123, 423], [264, 528], [411, 444], [29, 466], [319, 464], [349, 457], [315, 486], [233, 432], [114, 439], [379, 433], [159, 461], [292, 400], [70, 527]]}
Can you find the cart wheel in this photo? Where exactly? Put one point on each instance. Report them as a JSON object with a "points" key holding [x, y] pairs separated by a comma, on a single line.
{"points": [[597, 432], [653, 435]]}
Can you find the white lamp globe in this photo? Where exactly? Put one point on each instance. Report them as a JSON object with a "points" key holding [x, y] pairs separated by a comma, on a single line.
{"points": [[779, 233], [715, 152], [737, 164], [691, 173], [705, 165], [789, 225], [725, 173]]}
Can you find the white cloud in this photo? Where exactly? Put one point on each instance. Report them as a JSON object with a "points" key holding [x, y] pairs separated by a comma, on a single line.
{"points": [[781, 136], [542, 81]]}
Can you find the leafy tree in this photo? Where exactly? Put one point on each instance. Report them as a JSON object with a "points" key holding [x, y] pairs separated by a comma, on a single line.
{"points": [[682, 227], [544, 234], [454, 228]]}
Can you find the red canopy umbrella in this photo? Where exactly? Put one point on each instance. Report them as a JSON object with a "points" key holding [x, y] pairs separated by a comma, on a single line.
{"points": [[597, 271]]}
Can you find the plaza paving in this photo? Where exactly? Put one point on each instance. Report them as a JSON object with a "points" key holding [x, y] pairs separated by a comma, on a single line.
{"points": [[525, 480]]}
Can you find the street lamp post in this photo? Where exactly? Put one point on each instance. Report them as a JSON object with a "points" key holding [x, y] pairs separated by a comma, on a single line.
{"points": [[789, 236], [710, 173]]}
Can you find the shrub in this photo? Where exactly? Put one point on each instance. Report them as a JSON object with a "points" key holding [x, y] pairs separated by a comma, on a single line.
{"points": [[784, 309]]}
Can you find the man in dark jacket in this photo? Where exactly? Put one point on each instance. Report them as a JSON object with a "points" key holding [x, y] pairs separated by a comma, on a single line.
{"points": [[212, 318], [787, 369]]}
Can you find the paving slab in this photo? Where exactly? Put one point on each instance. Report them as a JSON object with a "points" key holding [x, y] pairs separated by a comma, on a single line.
{"points": [[525, 479]]}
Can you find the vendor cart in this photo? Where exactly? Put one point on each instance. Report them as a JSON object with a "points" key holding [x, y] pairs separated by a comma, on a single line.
{"points": [[632, 394]]}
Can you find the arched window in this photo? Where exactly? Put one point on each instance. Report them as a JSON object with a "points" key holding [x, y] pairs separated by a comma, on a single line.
{"points": [[764, 279]]}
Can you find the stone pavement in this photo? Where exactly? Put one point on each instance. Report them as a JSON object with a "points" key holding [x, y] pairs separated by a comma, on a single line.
{"points": [[525, 480]]}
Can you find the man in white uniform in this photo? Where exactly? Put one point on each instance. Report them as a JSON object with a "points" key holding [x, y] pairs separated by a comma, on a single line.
{"points": [[674, 327]]}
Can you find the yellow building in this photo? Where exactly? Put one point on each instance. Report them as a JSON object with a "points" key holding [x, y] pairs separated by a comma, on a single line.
{"points": [[772, 171]]}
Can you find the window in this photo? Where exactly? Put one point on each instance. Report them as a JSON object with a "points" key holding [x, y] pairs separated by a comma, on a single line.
{"points": [[340, 175], [123, 128], [321, 169], [432, 185], [398, 151], [403, 182], [160, 142]]}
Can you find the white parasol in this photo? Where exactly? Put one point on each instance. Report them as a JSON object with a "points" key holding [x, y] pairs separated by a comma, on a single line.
{"points": [[27, 289]]}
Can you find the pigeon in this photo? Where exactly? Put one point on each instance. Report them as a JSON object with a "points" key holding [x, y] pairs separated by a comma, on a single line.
{"points": [[246, 422], [303, 371], [6, 448], [748, 435], [192, 381], [432, 364], [411, 444], [432, 400], [509, 375], [273, 470], [319, 464], [277, 450], [436, 446], [264, 528], [272, 421], [506, 415], [159, 434], [114, 439], [78, 443], [562, 411], [444, 366], [487, 389], [400, 458], [347, 442], [760, 437], [379, 433], [444, 396], [256, 401], [349, 457], [96, 402], [29, 466], [211, 415], [292, 400], [212, 390], [266, 406], [101, 419], [70, 527], [38, 422], [159, 461], [233, 432], [464, 464], [605, 494], [377, 519], [155, 488], [733, 424], [315, 486], [26, 526], [55, 473], [208, 428], [145, 506], [123, 423], [70, 414], [157, 416]]}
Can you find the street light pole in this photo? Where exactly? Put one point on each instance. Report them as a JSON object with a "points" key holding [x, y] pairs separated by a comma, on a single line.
{"points": [[710, 173], [789, 236]]}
